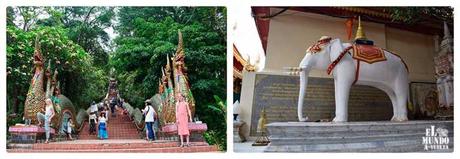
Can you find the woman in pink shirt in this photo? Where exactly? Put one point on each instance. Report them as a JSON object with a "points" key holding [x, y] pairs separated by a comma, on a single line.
{"points": [[182, 118]]}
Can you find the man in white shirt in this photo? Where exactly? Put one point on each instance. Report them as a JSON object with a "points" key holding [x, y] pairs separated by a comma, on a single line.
{"points": [[149, 113], [92, 118]]}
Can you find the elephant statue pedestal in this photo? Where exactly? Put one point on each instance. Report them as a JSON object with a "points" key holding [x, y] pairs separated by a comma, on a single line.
{"points": [[375, 136]]}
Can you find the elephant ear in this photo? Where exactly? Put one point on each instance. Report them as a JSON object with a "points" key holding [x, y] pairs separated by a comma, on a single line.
{"points": [[335, 48], [319, 45]]}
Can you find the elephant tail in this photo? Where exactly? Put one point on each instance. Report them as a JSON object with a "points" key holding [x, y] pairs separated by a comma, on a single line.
{"points": [[410, 106]]}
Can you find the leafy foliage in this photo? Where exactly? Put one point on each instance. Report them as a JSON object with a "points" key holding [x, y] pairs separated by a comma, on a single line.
{"points": [[412, 15], [85, 27], [148, 35], [220, 109], [76, 41], [72, 62], [80, 80]]}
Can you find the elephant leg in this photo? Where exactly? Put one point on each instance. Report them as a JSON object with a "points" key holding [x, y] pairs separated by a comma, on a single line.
{"points": [[401, 93], [342, 92], [392, 96]]}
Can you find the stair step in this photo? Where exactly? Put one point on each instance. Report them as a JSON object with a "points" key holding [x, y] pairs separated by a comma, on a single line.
{"points": [[343, 139], [119, 127], [150, 150], [322, 129], [381, 136], [403, 148], [113, 136], [112, 146], [374, 146], [89, 146]]}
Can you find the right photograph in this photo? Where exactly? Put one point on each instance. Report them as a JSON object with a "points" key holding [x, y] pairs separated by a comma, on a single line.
{"points": [[343, 79]]}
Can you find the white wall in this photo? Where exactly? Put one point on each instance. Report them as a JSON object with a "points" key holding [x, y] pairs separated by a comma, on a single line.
{"points": [[292, 32], [416, 49]]}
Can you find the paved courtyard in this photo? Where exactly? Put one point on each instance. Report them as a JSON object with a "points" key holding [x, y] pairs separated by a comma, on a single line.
{"points": [[246, 147]]}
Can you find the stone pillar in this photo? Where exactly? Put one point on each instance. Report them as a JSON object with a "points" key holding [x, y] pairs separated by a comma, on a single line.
{"points": [[441, 92], [444, 73], [449, 90], [247, 101]]}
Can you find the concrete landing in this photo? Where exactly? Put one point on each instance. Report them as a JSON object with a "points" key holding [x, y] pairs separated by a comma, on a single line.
{"points": [[376, 136], [246, 147]]}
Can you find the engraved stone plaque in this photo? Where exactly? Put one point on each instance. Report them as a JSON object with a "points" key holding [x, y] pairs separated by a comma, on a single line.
{"points": [[278, 94]]}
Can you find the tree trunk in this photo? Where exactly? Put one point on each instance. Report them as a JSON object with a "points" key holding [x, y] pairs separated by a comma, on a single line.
{"points": [[16, 101]]}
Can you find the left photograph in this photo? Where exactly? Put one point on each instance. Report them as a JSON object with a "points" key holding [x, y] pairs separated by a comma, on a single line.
{"points": [[116, 79]]}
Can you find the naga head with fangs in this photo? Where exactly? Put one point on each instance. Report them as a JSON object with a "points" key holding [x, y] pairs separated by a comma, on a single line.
{"points": [[38, 57]]}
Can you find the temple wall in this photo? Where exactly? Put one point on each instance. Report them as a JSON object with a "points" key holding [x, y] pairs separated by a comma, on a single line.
{"points": [[416, 49], [289, 36], [292, 32]]}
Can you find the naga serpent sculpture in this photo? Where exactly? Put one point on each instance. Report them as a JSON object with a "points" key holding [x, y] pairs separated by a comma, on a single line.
{"points": [[35, 100]]}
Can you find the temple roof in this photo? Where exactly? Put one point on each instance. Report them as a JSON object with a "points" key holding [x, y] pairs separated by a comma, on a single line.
{"points": [[238, 63], [427, 24]]}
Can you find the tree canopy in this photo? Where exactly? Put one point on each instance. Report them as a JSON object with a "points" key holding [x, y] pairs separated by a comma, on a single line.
{"points": [[412, 15], [148, 35], [79, 43], [74, 64]]}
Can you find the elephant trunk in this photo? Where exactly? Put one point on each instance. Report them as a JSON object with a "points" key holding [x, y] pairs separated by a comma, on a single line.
{"points": [[303, 87]]}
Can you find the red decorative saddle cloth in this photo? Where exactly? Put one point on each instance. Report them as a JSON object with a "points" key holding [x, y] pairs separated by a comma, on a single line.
{"points": [[368, 53]]}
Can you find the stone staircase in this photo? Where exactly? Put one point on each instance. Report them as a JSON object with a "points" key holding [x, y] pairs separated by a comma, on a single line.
{"points": [[383, 136], [119, 146], [119, 127], [123, 138]]}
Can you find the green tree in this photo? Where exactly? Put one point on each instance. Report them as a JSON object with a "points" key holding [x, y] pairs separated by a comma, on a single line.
{"points": [[413, 15], [148, 35], [28, 16], [76, 41], [10, 16], [75, 65], [86, 27]]}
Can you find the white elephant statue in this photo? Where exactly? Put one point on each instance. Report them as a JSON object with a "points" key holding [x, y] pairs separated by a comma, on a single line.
{"points": [[390, 75]]}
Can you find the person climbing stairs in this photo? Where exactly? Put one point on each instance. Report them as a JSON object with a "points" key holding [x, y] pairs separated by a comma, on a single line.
{"points": [[119, 127]]}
